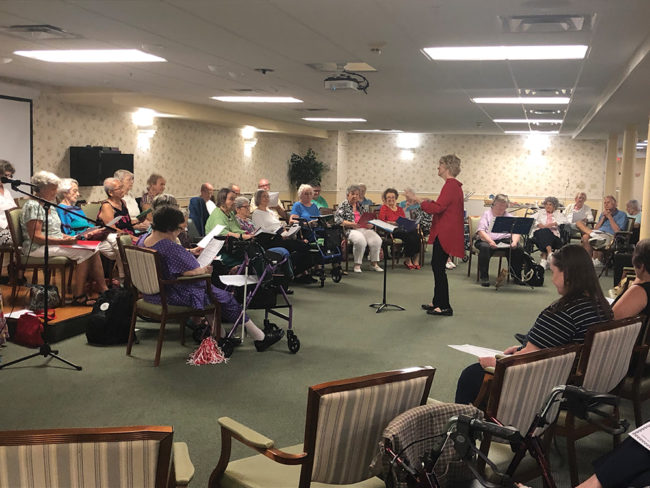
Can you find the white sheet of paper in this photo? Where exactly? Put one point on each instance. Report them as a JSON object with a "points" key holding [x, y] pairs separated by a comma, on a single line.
{"points": [[274, 199], [477, 351], [610, 300], [16, 314], [642, 435], [237, 280], [210, 252], [214, 232], [383, 225]]}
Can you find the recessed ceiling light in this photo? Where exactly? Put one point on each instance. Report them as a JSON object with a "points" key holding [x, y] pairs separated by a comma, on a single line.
{"points": [[254, 99], [524, 100], [92, 56], [550, 132], [503, 53], [333, 119], [527, 121]]}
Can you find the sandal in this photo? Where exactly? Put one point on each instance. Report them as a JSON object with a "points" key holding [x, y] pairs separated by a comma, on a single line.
{"points": [[83, 301]]}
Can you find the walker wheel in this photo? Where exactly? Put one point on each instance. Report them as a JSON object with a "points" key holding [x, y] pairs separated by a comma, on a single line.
{"points": [[336, 275], [465, 259], [227, 347], [293, 342]]}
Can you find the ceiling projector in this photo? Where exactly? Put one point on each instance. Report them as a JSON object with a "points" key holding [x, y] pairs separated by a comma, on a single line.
{"points": [[346, 81]]}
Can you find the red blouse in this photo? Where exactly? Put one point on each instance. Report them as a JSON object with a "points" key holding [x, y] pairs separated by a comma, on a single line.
{"points": [[448, 218], [388, 215]]}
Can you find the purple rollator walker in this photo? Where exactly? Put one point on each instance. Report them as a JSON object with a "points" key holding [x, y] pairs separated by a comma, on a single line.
{"points": [[268, 283]]}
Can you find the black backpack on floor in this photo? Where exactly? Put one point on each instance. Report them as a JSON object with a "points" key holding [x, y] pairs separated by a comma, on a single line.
{"points": [[110, 320], [531, 272]]}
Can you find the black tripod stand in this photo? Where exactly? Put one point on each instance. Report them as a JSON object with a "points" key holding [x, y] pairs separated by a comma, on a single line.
{"points": [[45, 350], [383, 305]]}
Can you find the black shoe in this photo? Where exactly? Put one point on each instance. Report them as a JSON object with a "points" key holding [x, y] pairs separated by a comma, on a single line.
{"points": [[448, 312], [270, 338], [427, 307], [522, 338], [485, 283], [289, 291]]}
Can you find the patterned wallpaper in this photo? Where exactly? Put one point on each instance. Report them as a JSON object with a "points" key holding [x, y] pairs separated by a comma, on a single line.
{"points": [[490, 164], [188, 153]]}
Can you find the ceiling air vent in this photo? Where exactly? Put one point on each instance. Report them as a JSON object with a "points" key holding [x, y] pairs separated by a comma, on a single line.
{"points": [[517, 24], [311, 109], [329, 67], [545, 92], [544, 111], [37, 32]]}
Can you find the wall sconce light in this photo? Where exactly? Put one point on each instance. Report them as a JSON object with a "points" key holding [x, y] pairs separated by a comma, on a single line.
{"points": [[144, 138], [248, 147], [406, 155], [537, 144], [408, 140], [248, 132], [143, 117]]}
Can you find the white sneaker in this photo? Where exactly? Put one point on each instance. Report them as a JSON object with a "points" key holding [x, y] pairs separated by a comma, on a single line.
{"points": [[597, 263], [357, 268], [378, 268], [543, 263]]}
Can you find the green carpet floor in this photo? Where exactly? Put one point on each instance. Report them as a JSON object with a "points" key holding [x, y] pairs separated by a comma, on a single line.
{"points": [[341, 337]]}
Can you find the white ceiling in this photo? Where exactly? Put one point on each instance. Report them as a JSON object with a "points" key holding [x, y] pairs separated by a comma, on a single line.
{"points": [[214, 46]]}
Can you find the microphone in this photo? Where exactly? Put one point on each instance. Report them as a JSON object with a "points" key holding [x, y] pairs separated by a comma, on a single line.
{"points": [[14, 183]]}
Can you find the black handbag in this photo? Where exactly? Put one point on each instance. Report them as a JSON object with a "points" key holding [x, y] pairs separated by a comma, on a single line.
{"points": [[37, 297]]}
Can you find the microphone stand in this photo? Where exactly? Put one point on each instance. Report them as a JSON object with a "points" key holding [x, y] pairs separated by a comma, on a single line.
{"points": [[45, 350]]}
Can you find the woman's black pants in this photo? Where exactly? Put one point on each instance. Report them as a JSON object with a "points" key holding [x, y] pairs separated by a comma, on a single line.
{"points": [[441, 287]]}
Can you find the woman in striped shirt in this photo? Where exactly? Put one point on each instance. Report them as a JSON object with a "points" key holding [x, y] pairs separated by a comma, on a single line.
{"points": [[565, 321]]}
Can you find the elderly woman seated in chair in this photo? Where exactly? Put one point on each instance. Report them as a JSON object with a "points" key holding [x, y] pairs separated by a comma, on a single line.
{"points": [[32, 221], [547, 228], [114, 207], [636, 299], [565, 321], [178, 261], [390, 212]]}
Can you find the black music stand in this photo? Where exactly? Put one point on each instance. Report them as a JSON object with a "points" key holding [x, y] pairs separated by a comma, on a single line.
{"points": [[45, 350], [512, 226], [383, 305]]}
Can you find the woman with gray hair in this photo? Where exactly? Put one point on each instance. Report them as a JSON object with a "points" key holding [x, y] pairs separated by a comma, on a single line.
{"points": [[304, 208], [6, 202], [347, 215], [127, 178], [32, 221], [155, 186], [547, 228], [114, 207]]}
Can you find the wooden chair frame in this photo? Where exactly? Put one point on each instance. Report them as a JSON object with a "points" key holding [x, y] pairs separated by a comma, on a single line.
{"points": [[18, 265], [166, 314], [637, 374], [306, 458], [571, 430], [163, 434]]}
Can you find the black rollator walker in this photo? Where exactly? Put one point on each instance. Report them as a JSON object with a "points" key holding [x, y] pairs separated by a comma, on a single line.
{"points": [[269, 282], [463, 431]]}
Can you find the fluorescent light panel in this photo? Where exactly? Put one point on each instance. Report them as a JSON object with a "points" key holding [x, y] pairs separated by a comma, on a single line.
{"points": [[550, 132], [254, 99], [379, 131], [523, 100], [527, 121], [92, 56], [333, 119], [503, 53]]}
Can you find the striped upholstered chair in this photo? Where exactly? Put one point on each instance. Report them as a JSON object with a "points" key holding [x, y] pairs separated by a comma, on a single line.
{"points": [[143, 272], [517, 391], [345, 421], [142, 456], [603, 365]]}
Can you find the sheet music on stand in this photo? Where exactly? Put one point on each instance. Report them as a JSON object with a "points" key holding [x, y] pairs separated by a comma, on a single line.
{"points": [[511, 225]]}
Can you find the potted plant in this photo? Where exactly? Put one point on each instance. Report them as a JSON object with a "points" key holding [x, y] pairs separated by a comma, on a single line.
{"points": [[305, 169]]}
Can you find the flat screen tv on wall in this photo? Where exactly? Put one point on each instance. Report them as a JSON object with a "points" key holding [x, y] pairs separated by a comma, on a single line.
{"points": [[90, 166]]}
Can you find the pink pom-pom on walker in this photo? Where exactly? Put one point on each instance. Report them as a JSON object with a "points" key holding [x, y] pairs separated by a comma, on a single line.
{"points": [[208, 352]]}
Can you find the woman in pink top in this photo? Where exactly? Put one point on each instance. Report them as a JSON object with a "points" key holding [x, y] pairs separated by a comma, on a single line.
{"points": [[547, 228], [390, 212]]}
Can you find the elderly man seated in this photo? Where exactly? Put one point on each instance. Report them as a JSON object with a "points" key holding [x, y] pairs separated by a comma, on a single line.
{"points": [[199, 212], [611, 221], [487, 242]]}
